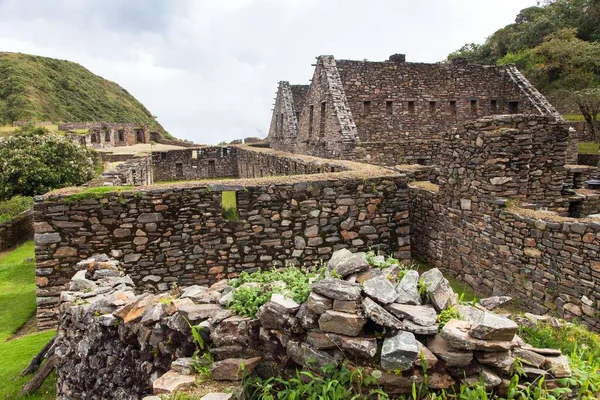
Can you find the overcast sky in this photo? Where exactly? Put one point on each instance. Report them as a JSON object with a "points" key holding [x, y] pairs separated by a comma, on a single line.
{"points": [[209, 68]]}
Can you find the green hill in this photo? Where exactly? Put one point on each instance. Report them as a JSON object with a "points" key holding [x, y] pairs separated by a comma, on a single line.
{"points": [[46, 89]]}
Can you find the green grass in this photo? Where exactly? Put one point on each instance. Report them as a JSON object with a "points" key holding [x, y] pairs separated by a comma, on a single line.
{"points": [[229, 205], [96, 193], [576, 117], [17, 306], [588, 147]]}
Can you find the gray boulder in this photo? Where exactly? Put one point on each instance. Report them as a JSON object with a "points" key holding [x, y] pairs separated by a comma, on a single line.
{"points": [[438, 289], [399, 352], [407, 291], [346, 263]]}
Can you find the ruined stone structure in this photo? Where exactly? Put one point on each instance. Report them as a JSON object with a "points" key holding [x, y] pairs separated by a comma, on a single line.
{"points": [[395, 112], [168, 234], [105, 134], [114, 344]]}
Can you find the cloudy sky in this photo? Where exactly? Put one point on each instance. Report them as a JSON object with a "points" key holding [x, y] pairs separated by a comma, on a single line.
{"points": [[209, 68]]}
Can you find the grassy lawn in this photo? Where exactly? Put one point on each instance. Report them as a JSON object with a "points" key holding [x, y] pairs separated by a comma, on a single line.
{"points": [[575, 117], [17, 305], [588, 147]]}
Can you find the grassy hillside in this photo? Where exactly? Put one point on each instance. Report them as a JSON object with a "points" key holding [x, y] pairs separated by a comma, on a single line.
{"points": [[47, 89]]}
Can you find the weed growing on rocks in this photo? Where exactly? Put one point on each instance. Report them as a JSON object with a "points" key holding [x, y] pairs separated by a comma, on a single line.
{"points": [[253, 290]]}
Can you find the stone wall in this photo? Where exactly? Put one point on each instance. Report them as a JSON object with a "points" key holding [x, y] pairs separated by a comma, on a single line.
{"points": [[103, 135], [354, 107], [105, 352], [234, 162], [16, 230], [413, 151], [194, 164], [256, 163], [167, 234], [514, 157], [326, 127], [548, 264]]}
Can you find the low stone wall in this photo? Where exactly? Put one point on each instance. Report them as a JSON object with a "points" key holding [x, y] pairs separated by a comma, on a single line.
{"points": [[166, 235], [105, 350], [159, 138], [583, 131], [257, 163], [550, 264], [235, 162], [135, 171], [67, 126], [16, 230]]}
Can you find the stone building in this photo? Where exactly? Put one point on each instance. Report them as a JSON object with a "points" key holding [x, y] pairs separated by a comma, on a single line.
{"points": [[394, 112], [105, 134]]}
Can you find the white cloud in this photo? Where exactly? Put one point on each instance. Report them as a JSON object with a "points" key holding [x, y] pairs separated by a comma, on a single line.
{"points": [[209, 69]]}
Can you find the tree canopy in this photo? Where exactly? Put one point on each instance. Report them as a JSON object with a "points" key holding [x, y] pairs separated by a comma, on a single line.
{"points": [[556, 44]]}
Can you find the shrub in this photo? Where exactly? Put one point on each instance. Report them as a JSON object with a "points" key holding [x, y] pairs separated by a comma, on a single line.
{"points": [[247, 299], [33, 163], [13, 207]]}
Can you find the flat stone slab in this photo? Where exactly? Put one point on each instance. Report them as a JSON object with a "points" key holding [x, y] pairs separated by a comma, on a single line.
{"points": [[380, 289], [318, 304], [233, 369], [422, 315], [379, 315], [337, 289], [451, 357], [417, 329], [199, 312], [217, 396], [342, 323], [456, 332], [286, 304], [490, 326], [171, 382]]}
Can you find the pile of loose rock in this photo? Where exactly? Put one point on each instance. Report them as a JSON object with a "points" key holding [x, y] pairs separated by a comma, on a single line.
{"points": [[378, 316]]}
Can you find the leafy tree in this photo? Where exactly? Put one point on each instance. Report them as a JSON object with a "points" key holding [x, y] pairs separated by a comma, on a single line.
{"points": [[588, 101], [33, 162], [564, 61]]}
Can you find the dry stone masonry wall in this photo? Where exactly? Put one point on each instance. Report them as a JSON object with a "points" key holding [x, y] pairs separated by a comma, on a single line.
{"points": [[15, 230], [374, 111], [164, 235]]}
